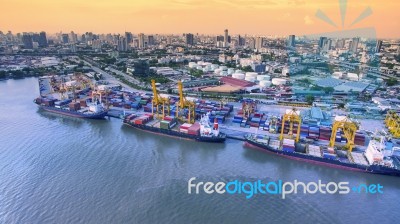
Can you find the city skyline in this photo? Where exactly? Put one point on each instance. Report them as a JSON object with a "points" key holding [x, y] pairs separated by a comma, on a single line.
{"points": [[281, 18]]}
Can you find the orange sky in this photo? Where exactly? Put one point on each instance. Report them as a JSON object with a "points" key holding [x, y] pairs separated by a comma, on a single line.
{"points": [[264, 17]]}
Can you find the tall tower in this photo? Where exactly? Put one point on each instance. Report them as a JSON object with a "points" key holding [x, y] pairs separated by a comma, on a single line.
{"points": [[226, 38], [292, 41], [259, 43], [141, 41]]}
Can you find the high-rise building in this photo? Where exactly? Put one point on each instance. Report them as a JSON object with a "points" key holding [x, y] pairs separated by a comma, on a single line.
{"points": [[169, 40], [354, 44], [122, 44], [220, 38], [252, 43], [27, 41], [73, 37], [241, 41], [151, 40], [398, 50], [292, 41], [65, 38], [378, 46], [129, 37], [142, 43], [189, 39], [322, 41], [226, 38], [259, 43], [42, 39], [340, 43]]}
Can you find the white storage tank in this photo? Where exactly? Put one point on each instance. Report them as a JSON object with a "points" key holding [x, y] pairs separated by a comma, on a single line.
{"points": [[265, 83], [214, 66], [251, 74], [217, 71], [223, 73], [250, 79], [238, 71], [278, 81], [224, 68], [192, 64], [231, 71], [238, 76], [263, 77]]}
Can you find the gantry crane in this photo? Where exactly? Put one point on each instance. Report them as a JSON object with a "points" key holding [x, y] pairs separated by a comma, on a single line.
{"points": [[161, 103], [349, 129], [223, 101], [248, 108], [292, 116], [392, 122], [184, 103]]}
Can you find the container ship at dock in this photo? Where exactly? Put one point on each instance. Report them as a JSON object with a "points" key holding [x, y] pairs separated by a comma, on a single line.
{"points": [[77, 104], [201, 131], [372, 160]]}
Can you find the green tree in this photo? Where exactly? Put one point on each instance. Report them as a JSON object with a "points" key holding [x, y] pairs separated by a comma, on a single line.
{"points": [[391, 81], [310, 99]]}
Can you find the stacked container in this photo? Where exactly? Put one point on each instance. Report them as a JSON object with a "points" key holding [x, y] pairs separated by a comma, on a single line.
{"points": [[74, 106], [194, 129], [325, 133], [237, 119], [288, 145], [359, 139], [329, 153], [304, 130], [314, 150], [184, 128]]}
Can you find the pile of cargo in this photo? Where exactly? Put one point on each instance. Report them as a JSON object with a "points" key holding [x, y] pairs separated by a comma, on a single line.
{"points": [[74, 106], [304, 130], [83, 103], [359, 158], [237, 119], [314, 150], [184, 128], [61, 103], [194, 129], [274, 144], [329, 153], [142, 120], [313, 132], [359, 139], [47, 102], [325, 133], [130, 117], [263, 139], [255, 122], [288, 145], [168, 122]]}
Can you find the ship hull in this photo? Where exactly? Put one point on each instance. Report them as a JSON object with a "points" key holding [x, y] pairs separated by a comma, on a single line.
{"points": [[376, 169], [73, 113], [176, 134]]}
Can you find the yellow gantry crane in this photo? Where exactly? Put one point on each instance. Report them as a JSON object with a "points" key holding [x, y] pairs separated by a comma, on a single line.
{"points": [[161, 103], [292, 116], [349, 129], [182, 104], [392, 122]]}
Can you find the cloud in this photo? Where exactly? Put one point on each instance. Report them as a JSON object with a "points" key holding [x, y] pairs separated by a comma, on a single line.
{"points": [[308, 20]]}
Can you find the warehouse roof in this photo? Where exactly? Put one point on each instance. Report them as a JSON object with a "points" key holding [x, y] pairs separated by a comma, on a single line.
{"points": [[328, 82], [236, 82]]}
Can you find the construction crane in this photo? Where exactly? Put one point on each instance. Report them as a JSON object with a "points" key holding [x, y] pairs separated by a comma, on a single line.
{"points": [[292, 116], [349, 129], [392, 122], [161, 103], [184, 103]]}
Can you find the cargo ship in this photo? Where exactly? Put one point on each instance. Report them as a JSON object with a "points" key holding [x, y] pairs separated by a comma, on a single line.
{"points": [[86, 107], [91, 110], [372, 160], [202, 131]]}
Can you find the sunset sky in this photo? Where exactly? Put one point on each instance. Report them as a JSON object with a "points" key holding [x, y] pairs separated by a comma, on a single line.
{"points": [[260, 17]]}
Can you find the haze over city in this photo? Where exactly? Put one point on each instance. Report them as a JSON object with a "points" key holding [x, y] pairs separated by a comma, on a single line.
{"points": [[259, 17]]}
